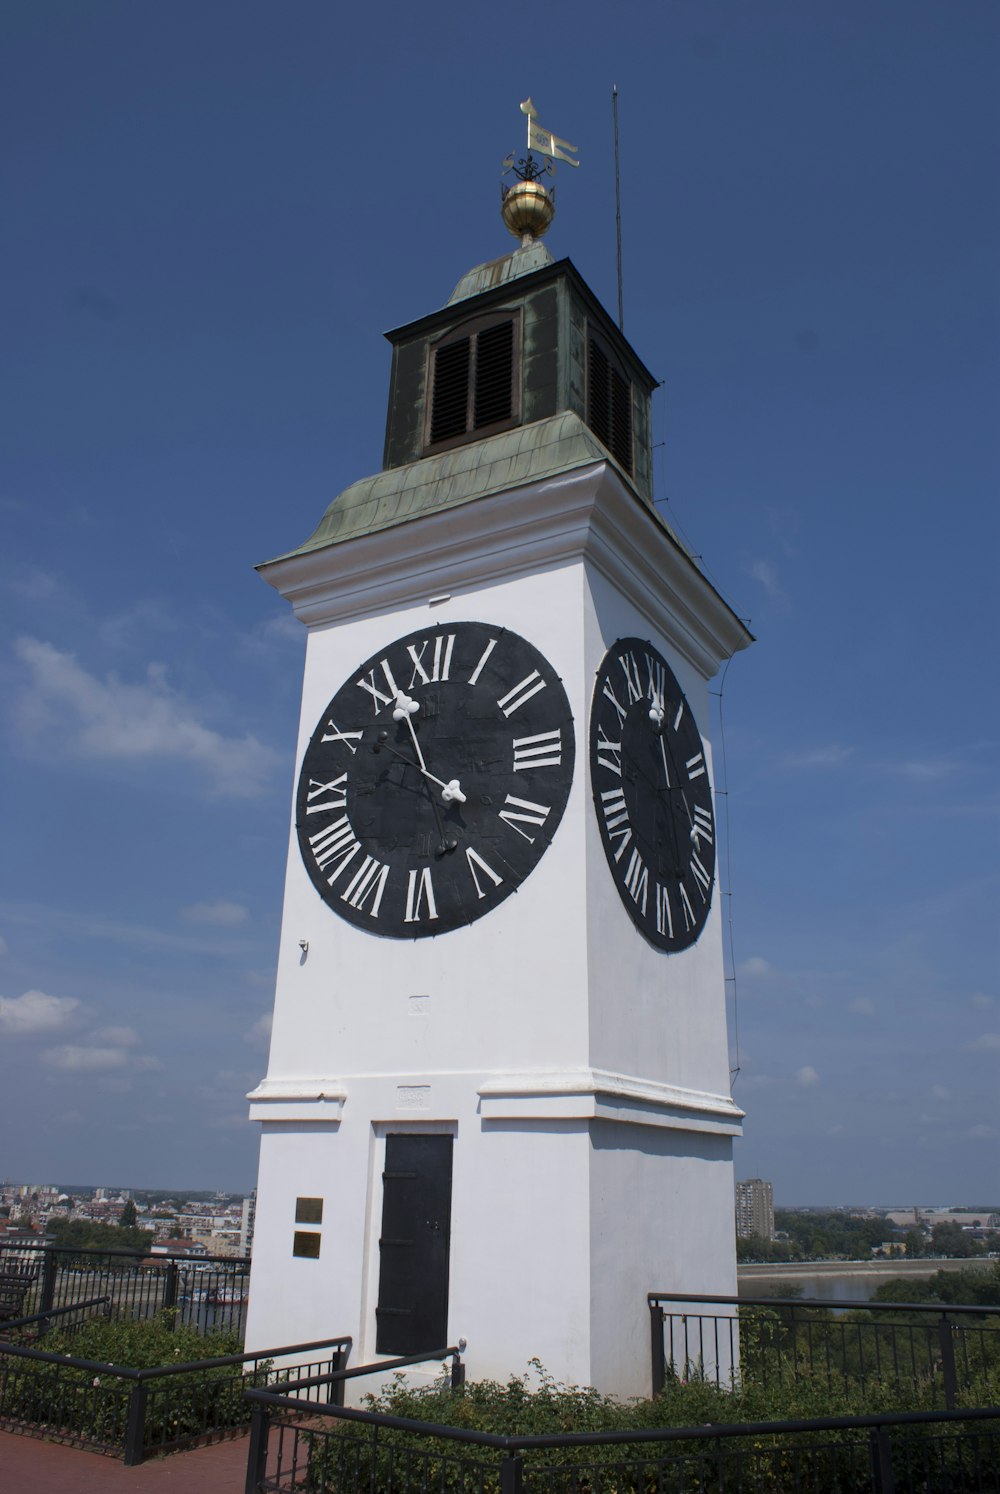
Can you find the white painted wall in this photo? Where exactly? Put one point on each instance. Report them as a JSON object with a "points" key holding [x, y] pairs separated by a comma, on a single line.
{"points": [[583, 1073]]}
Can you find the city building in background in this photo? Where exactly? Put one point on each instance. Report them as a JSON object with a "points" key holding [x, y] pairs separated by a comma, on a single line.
{"points": [[754, 1209]]}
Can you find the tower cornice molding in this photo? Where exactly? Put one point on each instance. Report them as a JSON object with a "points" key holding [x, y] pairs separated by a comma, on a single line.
{"points": [[588, 514]]}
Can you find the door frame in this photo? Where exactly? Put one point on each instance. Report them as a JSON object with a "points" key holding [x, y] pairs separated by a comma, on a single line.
{"points": [[373, 1220]]}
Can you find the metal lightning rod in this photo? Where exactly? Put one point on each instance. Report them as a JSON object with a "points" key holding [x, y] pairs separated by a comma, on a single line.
{"points": [[618, 206]]}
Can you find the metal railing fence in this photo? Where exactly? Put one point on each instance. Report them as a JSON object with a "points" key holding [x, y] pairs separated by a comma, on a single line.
{"points": [[297, 1445], [208, 1294], [134, 1413], [938, 1351], [33, 1328]]}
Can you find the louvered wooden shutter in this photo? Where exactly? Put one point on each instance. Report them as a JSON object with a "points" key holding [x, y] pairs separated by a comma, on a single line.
{"points": [[473, 383], [449, 410], [609, 405], [494, 374]]}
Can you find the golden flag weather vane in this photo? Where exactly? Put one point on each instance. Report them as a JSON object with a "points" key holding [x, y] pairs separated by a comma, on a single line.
{"points": [[528, 207], [544, 141]]}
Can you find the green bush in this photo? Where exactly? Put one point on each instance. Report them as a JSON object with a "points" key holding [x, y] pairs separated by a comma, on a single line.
{"points": [[347, 1454], [87, 1405]]}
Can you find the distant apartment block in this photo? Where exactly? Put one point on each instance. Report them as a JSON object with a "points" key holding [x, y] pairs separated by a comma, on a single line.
{"points": [[247, 1223], [754, 1209]]}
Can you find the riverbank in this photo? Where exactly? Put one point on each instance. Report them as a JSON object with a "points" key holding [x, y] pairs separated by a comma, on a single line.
{"points": [[851, 1281]]}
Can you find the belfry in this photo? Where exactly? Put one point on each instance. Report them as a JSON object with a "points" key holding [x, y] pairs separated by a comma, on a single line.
{"points": [[497, 1100]]}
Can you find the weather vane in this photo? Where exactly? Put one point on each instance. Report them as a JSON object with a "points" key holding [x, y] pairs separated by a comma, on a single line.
{"points": [[528, 208]]}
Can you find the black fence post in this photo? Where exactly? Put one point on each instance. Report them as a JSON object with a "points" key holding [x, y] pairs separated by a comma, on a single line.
{"points": [[170, 1286], [335, 1393], [457, 1372], [511, 1474], [260, 1426], [658, 1367], [47, 1295], [135, 1425], [883, 1478], [946, 1340]]}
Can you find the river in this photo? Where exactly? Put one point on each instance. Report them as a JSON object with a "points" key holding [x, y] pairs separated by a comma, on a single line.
{"points": [[847, 1281]]}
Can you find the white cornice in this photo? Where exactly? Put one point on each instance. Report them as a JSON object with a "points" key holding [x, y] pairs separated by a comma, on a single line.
{"points": [[307, 1099], [587, 513], [599, 1094]]}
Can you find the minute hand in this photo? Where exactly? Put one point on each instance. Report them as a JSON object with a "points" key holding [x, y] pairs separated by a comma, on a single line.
{"points": [[405, 710]]}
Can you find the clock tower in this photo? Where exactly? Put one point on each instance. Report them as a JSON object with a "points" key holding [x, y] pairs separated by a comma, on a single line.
{"points": [[497, 1099]]}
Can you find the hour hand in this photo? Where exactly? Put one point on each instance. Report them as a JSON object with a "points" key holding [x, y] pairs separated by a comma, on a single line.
{"points": [[405, 709]]}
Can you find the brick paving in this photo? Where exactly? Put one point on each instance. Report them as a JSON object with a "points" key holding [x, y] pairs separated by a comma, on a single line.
{"points": [[29, 1466]]}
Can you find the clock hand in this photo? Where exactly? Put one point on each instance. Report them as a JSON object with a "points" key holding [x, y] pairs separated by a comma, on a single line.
{"points": [[448, 843], [406, 708]]}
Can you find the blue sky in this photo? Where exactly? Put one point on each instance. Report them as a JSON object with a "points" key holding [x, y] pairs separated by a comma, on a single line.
{"points": [[212, 211]]}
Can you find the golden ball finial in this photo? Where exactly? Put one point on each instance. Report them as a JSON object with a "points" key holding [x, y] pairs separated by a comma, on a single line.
{"points": [[527, 210]]}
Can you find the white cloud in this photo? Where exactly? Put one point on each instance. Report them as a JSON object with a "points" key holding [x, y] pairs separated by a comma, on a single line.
{"points": [[923, 771], [114, 721], [118, 1037], [284, 628], [766, 573], [220, 914], [259, 1035], [106, 1050], [755, 965], [989, 1042], [20, 1016], [830, 755], [84, 1058], [940, 1092], [981, 1000], [806, 1077], [862, 1007], [35, 585], [982, 1133]]}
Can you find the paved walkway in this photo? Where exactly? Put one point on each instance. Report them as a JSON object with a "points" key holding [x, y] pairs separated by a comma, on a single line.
{"points": [[28, 1466]]}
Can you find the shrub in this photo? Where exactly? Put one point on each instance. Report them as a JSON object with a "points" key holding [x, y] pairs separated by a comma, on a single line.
{"points": [[91, 1406]]}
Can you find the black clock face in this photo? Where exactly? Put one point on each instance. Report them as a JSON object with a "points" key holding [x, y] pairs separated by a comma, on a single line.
{"points": [[652, 795], [435, 780]]}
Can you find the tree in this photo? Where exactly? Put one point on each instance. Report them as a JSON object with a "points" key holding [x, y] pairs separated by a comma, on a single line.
{"points": [[129, 1216]]}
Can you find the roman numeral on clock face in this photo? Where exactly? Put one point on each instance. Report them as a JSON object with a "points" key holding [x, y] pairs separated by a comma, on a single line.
{"points": [[367, 883], [438, 665], [347, 737], [609, 754], [474, 676], [656, 680], [637, 881], [420, 902], [544, 750], [632, 681], [701, 876], [686, 908], [616, 819], [475, 860], [369, 682], [609, 694], [336, 788], [701, 829], [337, 842], [664, 917], [527, 813], [695, 765], [522, 691]]}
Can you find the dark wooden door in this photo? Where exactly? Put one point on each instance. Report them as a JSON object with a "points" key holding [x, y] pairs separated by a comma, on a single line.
{"points": [[412, 1311]]}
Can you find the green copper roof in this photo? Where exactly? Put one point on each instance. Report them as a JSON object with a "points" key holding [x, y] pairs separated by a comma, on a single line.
{"points": [[523, 261], [436, 483]]}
